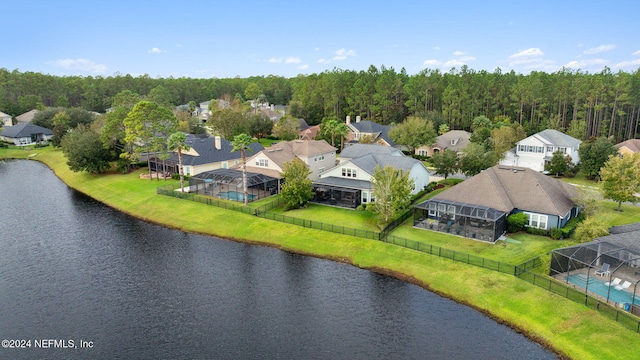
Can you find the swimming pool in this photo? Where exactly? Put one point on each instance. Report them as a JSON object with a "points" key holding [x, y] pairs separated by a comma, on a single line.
{"points": [[598, 286], [235, 195]]}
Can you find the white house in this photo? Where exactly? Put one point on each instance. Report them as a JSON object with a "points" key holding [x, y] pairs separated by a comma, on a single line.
{"points": [[25, 134], [537, 150], [348, 184]]}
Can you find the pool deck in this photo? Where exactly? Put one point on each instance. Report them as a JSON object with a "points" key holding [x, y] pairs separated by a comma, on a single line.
{"points": [[626, 274]]}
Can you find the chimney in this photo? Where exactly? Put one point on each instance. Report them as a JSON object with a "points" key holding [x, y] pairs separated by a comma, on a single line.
{"points": [[218, 143], [273, 108], [348, 119], [358, 118]]}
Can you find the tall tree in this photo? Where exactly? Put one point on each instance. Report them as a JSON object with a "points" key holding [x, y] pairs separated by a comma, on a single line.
{"points": [[392, 191], [594, 153], [333, 127], [445, 162], [413, 133], [144, 124], [178, 143], [475, 158], [287, 128], [297, 189], [241, 142], [227, 123], [621, 178], [84, 151]]}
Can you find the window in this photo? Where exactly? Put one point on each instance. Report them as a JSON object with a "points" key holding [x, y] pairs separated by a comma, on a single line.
{"points": [[321, 170], [349, 172], [442, 209], [562, 150], [263, 162], [432, 209], [364, 197], [225, 165], [550, 149], [537, 221], [454, 141], [452, 211]]}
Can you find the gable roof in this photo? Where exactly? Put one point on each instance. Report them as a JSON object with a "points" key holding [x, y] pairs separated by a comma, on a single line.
{"points": [[25, 130], [631, 144], [506, 188], [557, 138], [461, 138], [369, 162], [358, 150], [286, 151], [370, 127], [207, 152]]}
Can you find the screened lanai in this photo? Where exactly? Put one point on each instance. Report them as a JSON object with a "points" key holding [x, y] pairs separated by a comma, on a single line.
{"points": [[227, 184], [468, 220], [608, 268]]}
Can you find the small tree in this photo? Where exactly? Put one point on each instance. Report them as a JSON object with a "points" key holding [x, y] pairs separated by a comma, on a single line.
{"points": [[558, 164], [297, 189], [590, 229], [178, 142], [621, 178], [287, 128], [445, 162], [413, 132], [593, 154], [475, 159], [241, 142], [392, 191]]}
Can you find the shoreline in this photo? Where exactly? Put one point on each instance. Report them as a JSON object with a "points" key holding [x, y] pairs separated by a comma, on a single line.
{"points": [[405, 275]]}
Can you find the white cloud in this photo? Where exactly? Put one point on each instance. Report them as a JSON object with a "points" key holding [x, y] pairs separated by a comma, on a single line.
{"points": [[275, 60], [583, 64], [302, 67], [324, 61], [342, 54], [436, 48], [527, 53], [458, 53], [458, 62], [431, 62], [637, 53], [599, 49], [292, 60], [156, 50], [83, 65], [631, 65]]}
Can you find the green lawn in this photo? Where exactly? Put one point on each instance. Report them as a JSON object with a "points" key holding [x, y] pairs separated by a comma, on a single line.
{"points": [[569, 327]]}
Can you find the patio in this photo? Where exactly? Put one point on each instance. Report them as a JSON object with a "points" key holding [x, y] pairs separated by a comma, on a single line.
{"points": [[228, 184]]}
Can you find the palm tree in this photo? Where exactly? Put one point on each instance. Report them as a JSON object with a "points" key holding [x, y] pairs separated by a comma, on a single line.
{"points": [[241, 142], [177, 142], [333, 127]]}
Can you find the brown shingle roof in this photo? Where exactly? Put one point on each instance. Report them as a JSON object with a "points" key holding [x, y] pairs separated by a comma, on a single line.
{"points": [[506, 188], [631, 144]]}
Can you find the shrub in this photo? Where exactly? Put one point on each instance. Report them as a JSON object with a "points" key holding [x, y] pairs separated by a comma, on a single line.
{"points": [[516, 222], [536, 231], [556, 233], [590, 229]]}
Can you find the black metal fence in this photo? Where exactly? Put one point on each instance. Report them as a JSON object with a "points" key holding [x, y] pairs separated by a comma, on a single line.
{"points": [[521, 271], [568, 291]]}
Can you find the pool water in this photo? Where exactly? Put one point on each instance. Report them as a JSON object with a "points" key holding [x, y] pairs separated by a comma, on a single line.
{"points": [[597, 286], [234, 195]]}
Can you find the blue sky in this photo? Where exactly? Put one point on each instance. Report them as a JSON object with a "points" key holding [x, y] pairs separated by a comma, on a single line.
{"points": [[204, 39]]}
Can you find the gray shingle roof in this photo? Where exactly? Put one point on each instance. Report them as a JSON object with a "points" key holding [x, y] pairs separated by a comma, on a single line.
{"points": [[557, 138], [370, 127], [506, 188], [344, 183], [358, 150], [25, 130], [368, 162], [208, 153]]}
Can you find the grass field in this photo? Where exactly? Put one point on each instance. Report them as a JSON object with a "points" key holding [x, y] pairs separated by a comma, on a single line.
{"points": [[570, 328]]}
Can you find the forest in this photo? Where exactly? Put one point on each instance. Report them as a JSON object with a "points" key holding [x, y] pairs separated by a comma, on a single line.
{"points": [[599, 104]]}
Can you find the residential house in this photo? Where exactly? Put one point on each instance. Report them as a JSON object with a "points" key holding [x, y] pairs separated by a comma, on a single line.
{"points": [[454, 140], [26, 117], [5, 119], [348, 184], [205, 154], [318, 155], [536, 150], [307, 132], [25, 134], [478, 207], [629, 146], [379, 133]]}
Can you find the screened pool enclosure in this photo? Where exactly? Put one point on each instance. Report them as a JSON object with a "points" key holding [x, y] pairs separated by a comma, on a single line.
{"points": [[227, 184], [472, 221], [608, 268]]}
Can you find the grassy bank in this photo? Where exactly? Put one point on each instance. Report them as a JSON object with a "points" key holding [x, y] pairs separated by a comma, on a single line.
{"points": [[569, 328]]}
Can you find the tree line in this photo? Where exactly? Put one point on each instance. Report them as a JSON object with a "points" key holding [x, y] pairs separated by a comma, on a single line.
{"points": [[598, 104]]}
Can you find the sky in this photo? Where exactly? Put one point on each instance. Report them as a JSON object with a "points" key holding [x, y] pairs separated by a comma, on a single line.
{"points": [[225, 39]]}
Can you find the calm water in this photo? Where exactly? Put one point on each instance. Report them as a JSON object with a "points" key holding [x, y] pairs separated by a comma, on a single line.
{"points": [[72, 269]]}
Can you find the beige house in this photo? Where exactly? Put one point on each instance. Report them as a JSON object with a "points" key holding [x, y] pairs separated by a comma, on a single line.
{"points": [[454, 140], [26, 117], [317, 154], [628, 147], [5, 119]]}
